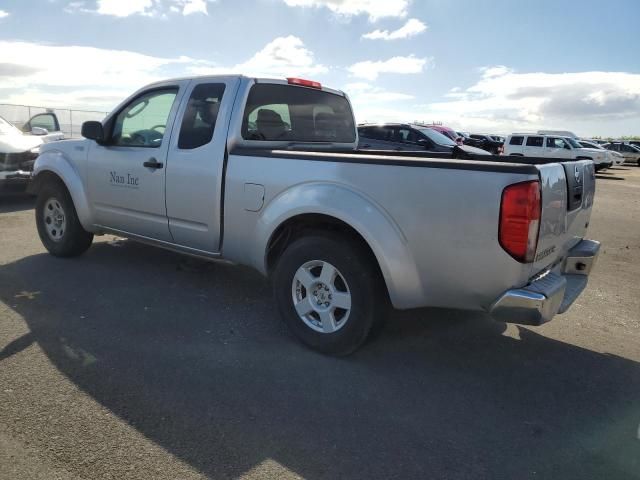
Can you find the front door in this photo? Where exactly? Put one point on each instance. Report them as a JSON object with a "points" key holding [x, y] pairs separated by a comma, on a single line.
{"points": [[127, 173]]}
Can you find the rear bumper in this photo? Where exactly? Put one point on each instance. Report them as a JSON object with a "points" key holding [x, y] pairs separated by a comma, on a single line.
{"points": [[552, 293]]}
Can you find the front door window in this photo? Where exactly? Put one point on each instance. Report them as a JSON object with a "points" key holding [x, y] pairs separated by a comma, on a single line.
{"points": [[143, 122]]}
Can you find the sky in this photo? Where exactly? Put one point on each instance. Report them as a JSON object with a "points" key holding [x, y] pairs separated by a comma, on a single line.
{"points": [[491, 66]]}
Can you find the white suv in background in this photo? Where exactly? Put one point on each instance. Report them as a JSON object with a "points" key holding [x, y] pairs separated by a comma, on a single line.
{"points": [[553, 146]]}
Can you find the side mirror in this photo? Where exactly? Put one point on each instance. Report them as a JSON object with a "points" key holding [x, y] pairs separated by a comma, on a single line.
{"points": [[39, 131], [567, 147], [93, 131], [425, 143]]}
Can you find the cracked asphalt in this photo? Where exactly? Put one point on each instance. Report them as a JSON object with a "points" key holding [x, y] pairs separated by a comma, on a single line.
{"points": [[131, 362]]}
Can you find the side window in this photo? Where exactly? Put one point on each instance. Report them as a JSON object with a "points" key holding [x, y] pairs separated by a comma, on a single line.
{"points": [[199, 120], [555, 143], [534, 141], [45, 120], [480, 137], [404, 135], [627, 148], [143, 122], [375, 133], [516, 141]]}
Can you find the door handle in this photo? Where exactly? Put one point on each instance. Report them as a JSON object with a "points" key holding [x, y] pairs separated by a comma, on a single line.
{"points": [[153, 163]]}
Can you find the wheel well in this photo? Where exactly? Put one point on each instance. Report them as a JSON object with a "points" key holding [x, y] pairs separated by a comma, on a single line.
{"points": [[42, 179], [306, 224]]}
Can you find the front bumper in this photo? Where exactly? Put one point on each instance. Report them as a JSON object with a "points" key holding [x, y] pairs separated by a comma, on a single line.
{"points": [[16, 178], [550, 294]]}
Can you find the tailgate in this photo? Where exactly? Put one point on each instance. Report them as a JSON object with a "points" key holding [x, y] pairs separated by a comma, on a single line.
{"points": [[567, 192]]}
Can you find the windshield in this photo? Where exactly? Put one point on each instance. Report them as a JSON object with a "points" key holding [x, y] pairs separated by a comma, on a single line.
{"points": [[591, 145], [572, 142], [7, 129], [437, 137]]}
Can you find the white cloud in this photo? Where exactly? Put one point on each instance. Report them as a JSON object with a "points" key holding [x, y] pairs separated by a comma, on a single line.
{"points": [[282, 57], [3, 14], [409, 29], [375, 9], [87, 77], [195, 6], [149, 8], [124, 8], [402, 65], [504, 100]]}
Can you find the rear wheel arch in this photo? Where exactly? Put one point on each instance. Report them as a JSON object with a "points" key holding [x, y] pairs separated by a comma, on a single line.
{"points": [[314, 224]]}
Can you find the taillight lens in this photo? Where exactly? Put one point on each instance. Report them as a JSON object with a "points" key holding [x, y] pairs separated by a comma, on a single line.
{"points": [[520, 220]]}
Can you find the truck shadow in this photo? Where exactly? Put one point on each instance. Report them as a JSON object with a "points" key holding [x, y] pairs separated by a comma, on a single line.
{"points": [[193, 355], [16, 202]]}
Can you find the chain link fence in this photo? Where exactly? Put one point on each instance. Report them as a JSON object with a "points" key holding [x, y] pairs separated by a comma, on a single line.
{"points": [[70, 120]]}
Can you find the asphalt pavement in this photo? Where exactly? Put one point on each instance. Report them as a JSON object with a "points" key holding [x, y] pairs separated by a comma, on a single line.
{"points": [[134, 362]]}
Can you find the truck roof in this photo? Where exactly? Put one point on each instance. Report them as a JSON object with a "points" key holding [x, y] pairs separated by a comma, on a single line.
{"points": [[282, 81]]}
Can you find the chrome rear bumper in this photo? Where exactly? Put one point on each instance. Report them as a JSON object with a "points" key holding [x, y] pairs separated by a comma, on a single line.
{"points": [[552, 293]]}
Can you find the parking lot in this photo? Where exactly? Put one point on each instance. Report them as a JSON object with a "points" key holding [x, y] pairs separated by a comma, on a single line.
{"points": [[134, 362]]}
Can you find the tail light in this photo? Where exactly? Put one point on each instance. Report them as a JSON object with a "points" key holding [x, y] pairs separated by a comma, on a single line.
{"points": [[520, 220], [303, 83]]}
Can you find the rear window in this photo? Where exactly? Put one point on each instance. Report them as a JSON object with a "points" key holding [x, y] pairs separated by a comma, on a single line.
{"points": [[288, 113], [535, 141], [516, 140]]}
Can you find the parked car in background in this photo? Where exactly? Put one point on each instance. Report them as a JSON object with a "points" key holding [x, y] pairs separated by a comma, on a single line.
{"points": [[446, 131], [18, 152], [551, 146], [411, 137], [631, 153], [490, 143], [615, 157]]}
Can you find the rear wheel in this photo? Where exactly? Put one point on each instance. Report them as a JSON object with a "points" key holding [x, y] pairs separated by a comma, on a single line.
{"points": [[57, 221], [329, 293]]}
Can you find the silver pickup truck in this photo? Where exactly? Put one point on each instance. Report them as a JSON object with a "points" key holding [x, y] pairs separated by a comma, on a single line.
{"points": [[266, 173]]}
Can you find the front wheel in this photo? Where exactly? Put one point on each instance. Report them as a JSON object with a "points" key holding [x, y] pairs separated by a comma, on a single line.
{"points": [[329, 293], [57, 221]]}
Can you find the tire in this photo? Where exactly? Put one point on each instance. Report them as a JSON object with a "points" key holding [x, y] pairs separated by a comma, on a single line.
{"points": [[304, 276], [57, 221]]}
